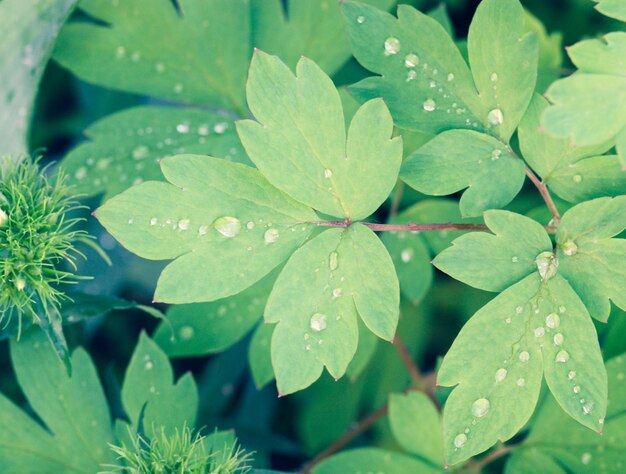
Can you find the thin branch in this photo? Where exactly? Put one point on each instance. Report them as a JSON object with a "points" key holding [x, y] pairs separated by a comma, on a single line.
{"points": [[545, 194], [355, 431], [503, 450], [422, 382]]}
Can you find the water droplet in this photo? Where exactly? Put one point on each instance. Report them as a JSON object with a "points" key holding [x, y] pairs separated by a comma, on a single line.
{"points": [[501, 374], [250, 225], [507, 320], [429, 105], [220, 127], [561, 309], [178, 88], [521, 382], [524, 356], [450, 77], [562, 356], [182, 128], [494, 77], [576, 388], [553, 320], [411, 60], [186, 332], [588, 408], [392, 45], [407, 255], [411, 75], [160, 67], [569, 248], [558, 339], [271, 236], [120, 52], [149, 365], [547, 265], [577, 178], [460, 440], [141, 152], [154, 221], [318, 322], [539, 332], [495, 154], [432, 84], [571, 374], [136, 56], [131, 220], [495, 117], [332, 261], [519, 310], [81, 173], [514, 259], [585, 458], [328, 173], [480, 407], [360, 20], [203, 230], [152, 389], [337, 292], [227, 226], [183, 224]]}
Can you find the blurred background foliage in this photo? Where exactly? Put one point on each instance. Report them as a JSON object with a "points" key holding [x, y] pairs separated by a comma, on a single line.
{"points": [[282, 432]]}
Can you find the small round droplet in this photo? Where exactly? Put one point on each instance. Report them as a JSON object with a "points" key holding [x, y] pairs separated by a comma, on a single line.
{"points": [[183, 224], [519, 310], [514, 259], [411, 60], [227, 226], [250, 225], [271, 236], [407, 255], [430, 105], [450, 77], [585, 458], [411, 75], [480, 407], [540, 331], [577, 178], [562, 356], [186, 333], [520, 382], [495, 117], [576, 389], [495, 154], [360, 20], [571, 374], [460, 440], [141, 152], [332, 261], [494, 77], [149, 365], [81, 173], [328, 173], [392, 45], [501, 374], [569, 248], [203, 230], [220, 128], [182, 128], [337, 292], [524, 356], [553, 320], [318, 322], [558, 339]]}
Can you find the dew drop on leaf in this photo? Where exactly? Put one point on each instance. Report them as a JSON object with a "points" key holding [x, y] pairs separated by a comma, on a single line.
{"points": [[460, 440], [539, 332], [553, 320], [577, 178], [411, 60], [227, 226], [521, 382], [318, 322], [328, 173], [337, 292], [494, 77], [332, 261], [558, 339], [183, 224], [203, 230], [495, 117], [186, 332], [569, 248], [360, 20], [495, 154], [571, 375], [430, 105], [585, 458], [501, 374], [271, 236], [480, 407], [182, 128], [450, 77], [406, 255], [140, 152], [524, 356], [562, 356], [392, 45], [587, 408]]}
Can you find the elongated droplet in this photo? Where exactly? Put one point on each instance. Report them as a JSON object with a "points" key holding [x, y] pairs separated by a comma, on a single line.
{"points": [[558, 339], [392, 45], [460, 440], [318, 322], [480, 407], [183, 224], [271, 236], [227, 226], [501, 374], [332, 261], [569, 248], [553, 320], [411, 60]]}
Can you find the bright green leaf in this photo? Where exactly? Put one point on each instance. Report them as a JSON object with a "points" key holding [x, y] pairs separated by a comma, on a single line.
{"points": [[591, 259], [535, 327], [226, 223], [612, 8], [29, 30], [459, 159], [299, 142], [495, 262], [125, 148], [324, 286], [416, 425], [203, 60]]}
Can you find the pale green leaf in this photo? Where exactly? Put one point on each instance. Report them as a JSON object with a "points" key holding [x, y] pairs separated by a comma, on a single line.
{"points": [[535, 327], [125, 148], [493, 262], [29, 30], [203, 59], [149, 394], [416, 425], [591, 259], [550, 52], [425, 80], [459, 159], [226, 223], [373, 460], [326, 284], [259, 355], [74, 409], [206, 328], [299, 142], [311, 28], [612, 8], [574, 173]]}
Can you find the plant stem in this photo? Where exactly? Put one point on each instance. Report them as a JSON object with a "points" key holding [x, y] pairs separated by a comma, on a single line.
{"points": [[422, 382], [545, 194], [503, 450], [352, 433]]}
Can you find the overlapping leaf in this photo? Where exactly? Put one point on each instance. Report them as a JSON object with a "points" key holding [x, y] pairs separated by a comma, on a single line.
{"points": [[573, 173], [612, 8], [29, 31], [226, 224], [426, 82], [125, 148], [373, 460]]}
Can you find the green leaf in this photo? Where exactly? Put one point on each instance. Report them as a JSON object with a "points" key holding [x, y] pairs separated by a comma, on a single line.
{"points": [[206, 328], [580, 450], [416, 425], [125, 148], [591, 259], [365, 350], [613, 8], [316, 299], [29, 32], [425, 80], [550, 52], [590, 106], [535, 327], [226, 224], [259, 355], [73, 409], [149, 391], [372, 460], [318, 167], [495, 262], [203, 60], [532, 460], [459, 159], [311, 28], [574, 173]]}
